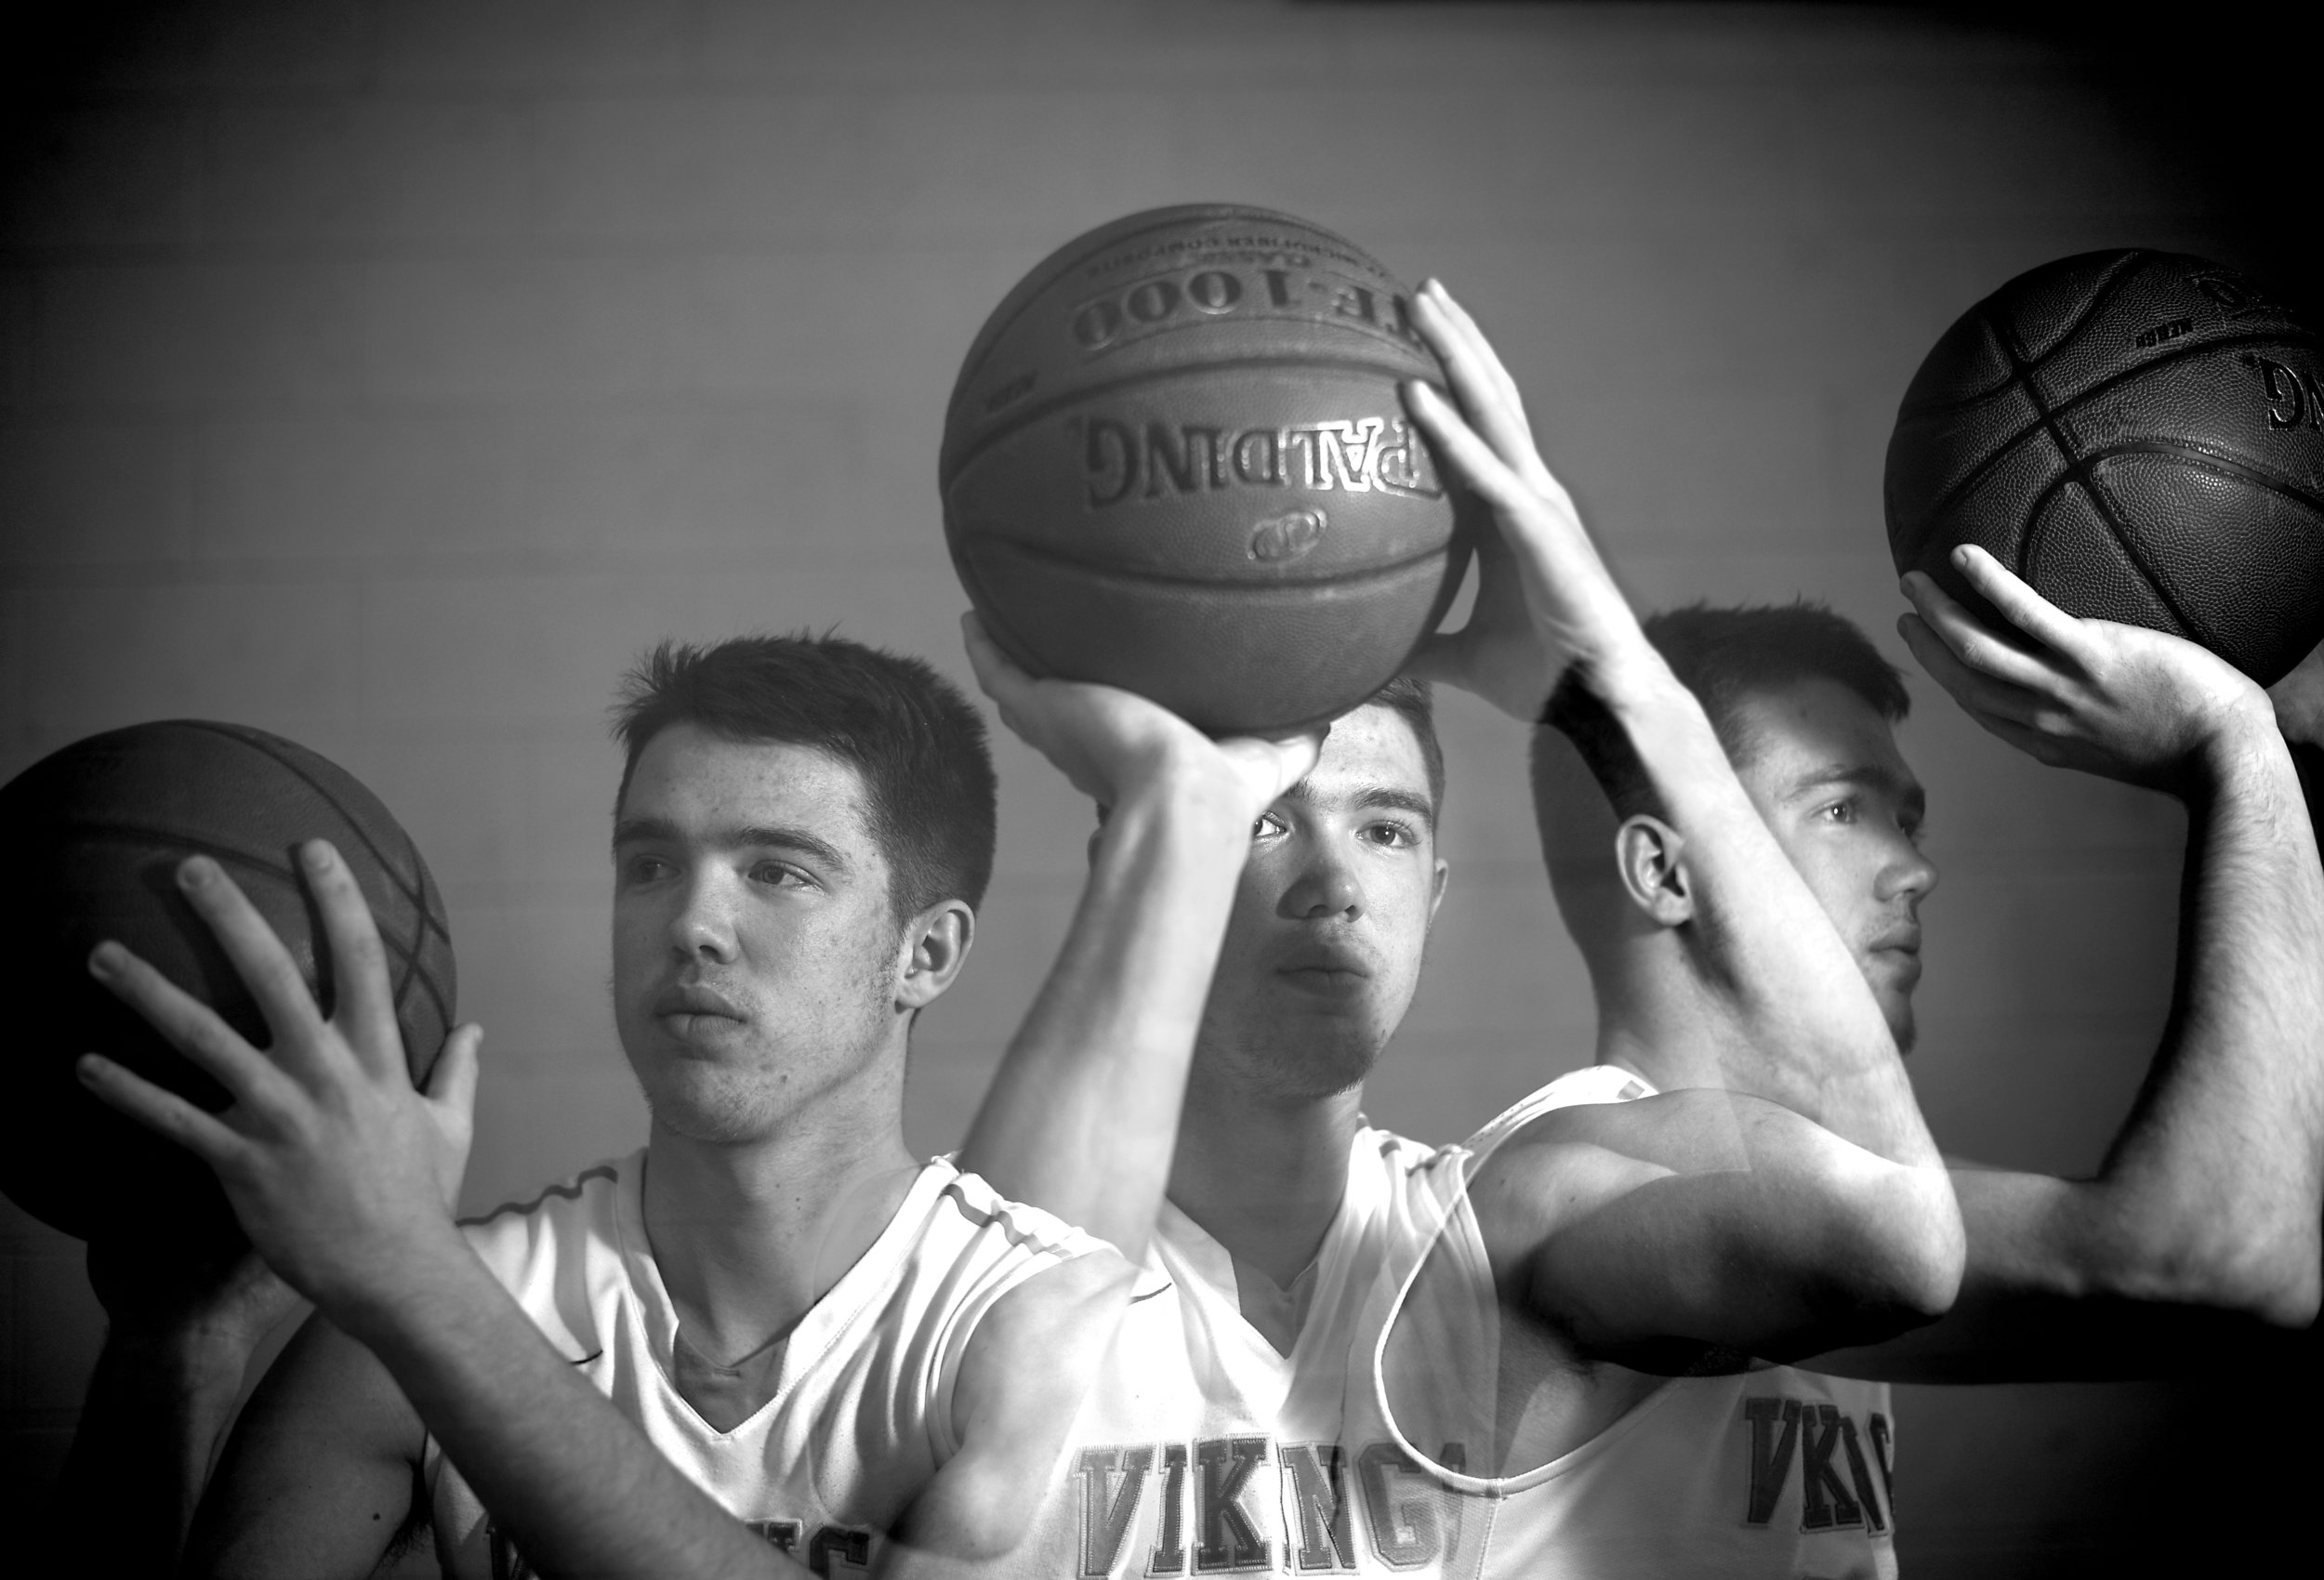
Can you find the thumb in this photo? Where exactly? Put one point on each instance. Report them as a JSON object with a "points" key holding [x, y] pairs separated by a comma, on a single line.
{"points": [[1440, 657], [452, 1085]]}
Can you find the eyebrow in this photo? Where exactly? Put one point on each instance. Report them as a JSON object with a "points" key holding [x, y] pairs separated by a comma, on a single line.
{"points": [[1374, 797], [646, 831]]}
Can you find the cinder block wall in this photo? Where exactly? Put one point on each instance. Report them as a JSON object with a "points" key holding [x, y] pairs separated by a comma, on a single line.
{"points": [[388, 374]]}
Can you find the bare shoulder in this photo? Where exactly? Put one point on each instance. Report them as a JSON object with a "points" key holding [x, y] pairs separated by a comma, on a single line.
{"points": [[1060, 1315], [317, 1477], [1022, 1378]]}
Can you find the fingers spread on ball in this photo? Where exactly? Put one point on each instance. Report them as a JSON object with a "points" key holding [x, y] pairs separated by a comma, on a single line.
{"points": [[164, 1112], [1986, 698], [1977, 645], [2017, 601], [190, 1026], [363, 1001], [1473, 459], [264, 967]]}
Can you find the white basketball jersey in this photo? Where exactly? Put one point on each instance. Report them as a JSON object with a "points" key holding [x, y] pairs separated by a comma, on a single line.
{"points": [[1771, 1472], [1203, 1451], [862, 1414]]}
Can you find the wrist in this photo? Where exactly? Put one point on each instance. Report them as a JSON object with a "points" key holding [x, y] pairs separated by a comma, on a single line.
{"points": [[1195, 795], [2242, 742], [400, 1285]]}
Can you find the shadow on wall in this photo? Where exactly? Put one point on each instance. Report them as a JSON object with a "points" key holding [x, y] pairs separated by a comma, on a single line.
{"points": [[388, 374]]}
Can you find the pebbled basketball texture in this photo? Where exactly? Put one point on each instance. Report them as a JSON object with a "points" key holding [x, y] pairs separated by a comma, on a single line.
{"points": [[2138, 434], [1177, 461], [100, 827]]}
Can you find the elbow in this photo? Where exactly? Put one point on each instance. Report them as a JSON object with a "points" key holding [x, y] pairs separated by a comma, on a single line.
{"points": [[1906, 1255]]}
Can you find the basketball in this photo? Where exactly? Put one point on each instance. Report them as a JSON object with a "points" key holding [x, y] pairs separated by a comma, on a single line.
{"points": [[2139, 435], [100, 828], [1177, 461]]}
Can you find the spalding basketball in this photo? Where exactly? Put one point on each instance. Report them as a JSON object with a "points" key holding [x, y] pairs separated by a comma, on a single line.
{"points": [[2138, 434], [100, 827], [1177, 461]]}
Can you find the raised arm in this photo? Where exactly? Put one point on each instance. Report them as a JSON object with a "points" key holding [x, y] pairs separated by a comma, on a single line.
{"points": [[2203, 1221], [341, 1173], [1082, 1117], [1802, 1029]]}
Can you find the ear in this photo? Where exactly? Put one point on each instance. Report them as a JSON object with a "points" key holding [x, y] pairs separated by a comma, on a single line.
{"points": [[1436, 889], [1650, 856], [936, 946]]}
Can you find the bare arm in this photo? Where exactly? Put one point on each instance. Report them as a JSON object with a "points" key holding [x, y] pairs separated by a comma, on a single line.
{"points": [[1804, 1029], [1650, 1230], [1082, 1117], [321, 1477], [335, 1169], [2203, 1221], [1021, 1387]]}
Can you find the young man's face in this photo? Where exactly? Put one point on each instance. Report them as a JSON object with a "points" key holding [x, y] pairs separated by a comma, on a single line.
{"points": [[754, 955], [1822, 766], [1324, 948]]}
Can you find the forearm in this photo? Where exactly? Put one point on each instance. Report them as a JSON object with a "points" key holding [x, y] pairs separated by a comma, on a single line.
{"points": [[1082, 1116], [580, 1488], [2061, 1286], [1716, 1219], [2217, 1179], [1807, 1033], [156, 1411]]}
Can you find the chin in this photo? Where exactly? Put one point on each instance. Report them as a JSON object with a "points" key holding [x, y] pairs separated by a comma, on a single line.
{"points": [[1901, 1024], [1306, 1062], [709, 1104]]}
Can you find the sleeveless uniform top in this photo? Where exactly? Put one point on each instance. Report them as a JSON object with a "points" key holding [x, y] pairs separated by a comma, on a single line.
{"points": [[863, 1414], [1771, 1472], [1201, 1450]]}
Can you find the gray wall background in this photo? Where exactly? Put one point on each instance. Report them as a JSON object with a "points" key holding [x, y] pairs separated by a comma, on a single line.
{"points": [[388, 372]]}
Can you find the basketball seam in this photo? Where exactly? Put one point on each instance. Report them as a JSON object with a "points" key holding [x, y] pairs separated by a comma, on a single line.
{"points": [[2001, 453], [2078, 470], [190, 843], [1177, 214], [951, 473], [1213, 584], [2211, 460], [412, 892], [2106, 288]]}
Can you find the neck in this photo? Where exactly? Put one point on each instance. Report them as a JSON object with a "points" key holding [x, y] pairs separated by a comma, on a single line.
{"points": [[1656, 1021], [748, 1235], [1263, 1174]]}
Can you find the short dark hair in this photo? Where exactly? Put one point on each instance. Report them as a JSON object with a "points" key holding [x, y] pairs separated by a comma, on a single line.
{"points": [[1416, 705], [917, 742], [1725, 656]]}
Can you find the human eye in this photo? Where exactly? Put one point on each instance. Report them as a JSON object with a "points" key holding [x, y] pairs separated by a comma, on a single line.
{"points": [[778, 875], [1843, 810], [1391, 834], [643, 866], [1268, 826]]}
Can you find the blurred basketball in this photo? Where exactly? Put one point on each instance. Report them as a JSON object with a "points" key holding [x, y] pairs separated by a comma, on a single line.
{"points": [[100, 827], [1177, 461], [2138, 434]]}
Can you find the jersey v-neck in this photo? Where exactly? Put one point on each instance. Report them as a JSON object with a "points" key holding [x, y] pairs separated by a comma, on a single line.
{"points": [[793, 1353], [1185, 1249]]}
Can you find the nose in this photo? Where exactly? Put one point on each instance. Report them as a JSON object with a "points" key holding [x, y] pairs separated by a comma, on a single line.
{"points": [[703, 927], [1909, 874], [1325, 889]]}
